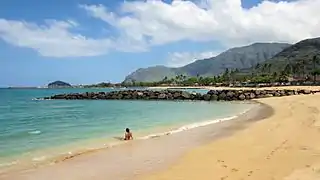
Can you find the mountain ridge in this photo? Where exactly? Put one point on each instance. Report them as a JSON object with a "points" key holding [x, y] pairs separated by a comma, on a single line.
{"points": [[297, 58], [234, 58]]}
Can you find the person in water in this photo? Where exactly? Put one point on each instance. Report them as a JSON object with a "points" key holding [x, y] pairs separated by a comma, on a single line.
{"points": [[128, 135]]}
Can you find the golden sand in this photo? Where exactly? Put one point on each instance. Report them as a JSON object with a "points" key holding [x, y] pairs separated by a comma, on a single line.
{"points": [[284, 146]]}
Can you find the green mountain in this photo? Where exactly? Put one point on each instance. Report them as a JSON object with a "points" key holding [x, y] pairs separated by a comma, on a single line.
{"points": [[151, 74], [239, 57], [297, 59]]}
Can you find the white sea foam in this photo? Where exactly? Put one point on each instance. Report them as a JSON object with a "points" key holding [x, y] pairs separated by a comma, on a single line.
{"points": [[8, 164], [40, 99], [194, 125], [41, 158], [34, 132]]}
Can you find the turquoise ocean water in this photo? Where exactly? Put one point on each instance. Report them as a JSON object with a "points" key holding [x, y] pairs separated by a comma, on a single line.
{"points": [[28, 125]]}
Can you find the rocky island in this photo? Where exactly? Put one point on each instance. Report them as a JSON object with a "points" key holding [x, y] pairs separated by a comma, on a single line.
{"points": [[59, 84]]}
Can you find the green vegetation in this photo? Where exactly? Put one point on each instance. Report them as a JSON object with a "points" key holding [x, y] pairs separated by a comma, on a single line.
{"points": [[102, 85], [301, 71], [261, 74]]}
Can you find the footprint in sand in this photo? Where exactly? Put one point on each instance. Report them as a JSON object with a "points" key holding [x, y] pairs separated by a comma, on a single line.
{"points": [[234, 170], [225, 166], [223, 178]]}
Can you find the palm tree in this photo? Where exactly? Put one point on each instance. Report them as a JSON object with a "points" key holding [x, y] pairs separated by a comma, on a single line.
{"points": [[302, 66], [274, 76], [257, 66], [269, 68], [315, 61], [264, 67], [288, 69], [165, 79], [226, 74]]}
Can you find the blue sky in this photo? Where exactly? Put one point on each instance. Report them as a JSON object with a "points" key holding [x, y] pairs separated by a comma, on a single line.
{"points": [[91, 41]]}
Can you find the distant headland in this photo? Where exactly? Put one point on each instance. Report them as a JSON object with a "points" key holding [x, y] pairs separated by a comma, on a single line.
{"points": [[59, 84]]}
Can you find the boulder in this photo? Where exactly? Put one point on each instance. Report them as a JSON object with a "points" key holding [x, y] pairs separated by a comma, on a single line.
{"points": [[222, 96], [185, 95], [257, 92], [306, 91], [214, 97], [242, 97], [211, 92], [277, 94], [230, 94], [176, 95], [162, 96], [207, 97]]}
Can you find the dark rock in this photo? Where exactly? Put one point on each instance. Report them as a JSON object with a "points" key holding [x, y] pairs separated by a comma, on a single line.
{"points": [[214, 97], [176, 95], [230, 94], [207, 97], [277, 94], [258, 92], [270, 94], [162, 96], [222, 96], [242, 97], [185, 95]]}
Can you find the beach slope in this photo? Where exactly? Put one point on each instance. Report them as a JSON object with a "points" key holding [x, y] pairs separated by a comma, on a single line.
{"points": [[284, 146]]}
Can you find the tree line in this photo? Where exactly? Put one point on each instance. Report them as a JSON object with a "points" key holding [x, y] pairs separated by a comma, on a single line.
{"points": [[303, 71]]}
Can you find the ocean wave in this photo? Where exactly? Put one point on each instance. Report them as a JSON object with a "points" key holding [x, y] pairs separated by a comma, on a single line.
{"points": [[34, 132], [40, 99], [41, 158], [193, 125], [8, 164]]}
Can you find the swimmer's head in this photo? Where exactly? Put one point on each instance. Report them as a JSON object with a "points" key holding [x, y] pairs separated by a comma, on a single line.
{"points": [[127, 130]]}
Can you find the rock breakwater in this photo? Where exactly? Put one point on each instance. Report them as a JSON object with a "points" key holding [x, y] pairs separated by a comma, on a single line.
{"points": [[212, 95]]}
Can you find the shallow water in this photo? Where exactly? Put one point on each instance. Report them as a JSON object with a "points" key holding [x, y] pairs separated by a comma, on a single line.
{"points": [[29, 126]]}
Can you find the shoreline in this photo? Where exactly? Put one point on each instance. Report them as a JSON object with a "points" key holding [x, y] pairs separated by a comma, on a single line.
{"points": [[183, 130], [283, 146], [53, 155]]}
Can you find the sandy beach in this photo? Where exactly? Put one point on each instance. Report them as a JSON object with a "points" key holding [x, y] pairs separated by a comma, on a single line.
{"points": [[282, 146], [278, 139]]}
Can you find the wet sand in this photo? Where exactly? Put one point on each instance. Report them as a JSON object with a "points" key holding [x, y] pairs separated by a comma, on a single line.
{"points": [[284, 146], [136, 158]]}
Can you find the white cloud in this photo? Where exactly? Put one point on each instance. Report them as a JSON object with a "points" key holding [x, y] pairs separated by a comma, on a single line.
{"points": [[51, 39], [55, 39], [156, 22], [179, 59], [142, 24]]}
